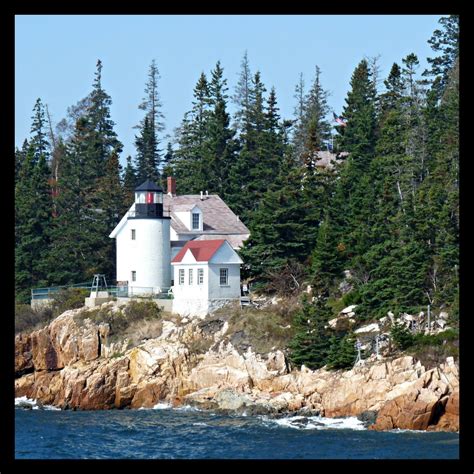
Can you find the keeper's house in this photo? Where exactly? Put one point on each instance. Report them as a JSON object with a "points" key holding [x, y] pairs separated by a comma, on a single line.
{"points": [[198, 233], [206, 276]]}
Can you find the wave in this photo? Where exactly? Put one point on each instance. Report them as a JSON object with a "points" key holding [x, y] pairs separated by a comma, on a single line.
{"points": [[317, 423], [32, 404], [162, 406]]}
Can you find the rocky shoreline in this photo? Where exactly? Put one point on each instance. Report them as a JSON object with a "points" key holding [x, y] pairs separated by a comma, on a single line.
{"points": [[193, 362]]}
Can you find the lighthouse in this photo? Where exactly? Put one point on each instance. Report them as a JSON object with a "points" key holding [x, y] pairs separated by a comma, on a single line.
{"points": [[143, 243]]}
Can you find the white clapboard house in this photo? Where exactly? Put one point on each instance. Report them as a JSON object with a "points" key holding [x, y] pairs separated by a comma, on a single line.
{"points": [[160, 228]]}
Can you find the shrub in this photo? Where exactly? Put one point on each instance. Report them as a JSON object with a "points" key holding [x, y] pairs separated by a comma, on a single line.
{"points": [[139, 310], [130, 322], [401, 337], [28, 319], [436, 339], [68, 298]]}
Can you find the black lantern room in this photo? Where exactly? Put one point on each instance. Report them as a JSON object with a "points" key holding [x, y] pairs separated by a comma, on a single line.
{"points": [[148, 200]]}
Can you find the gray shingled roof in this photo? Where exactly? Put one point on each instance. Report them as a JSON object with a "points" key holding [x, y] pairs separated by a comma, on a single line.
{"points": [[218, 218]]}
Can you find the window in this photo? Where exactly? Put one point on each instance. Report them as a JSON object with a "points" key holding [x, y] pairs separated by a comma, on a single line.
{"points": [[200, 276], [134, 275], [133, 234], [190, 281], [195, 220], [224, 276], [181, 276]]}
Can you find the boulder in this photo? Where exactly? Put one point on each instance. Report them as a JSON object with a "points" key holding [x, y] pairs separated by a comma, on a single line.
{"points": [[370, 328], [148, 394], [411, 411], [349, 309], [231, 400], [23, 355]]}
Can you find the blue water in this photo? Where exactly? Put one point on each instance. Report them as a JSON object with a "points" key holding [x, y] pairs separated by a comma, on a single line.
{"points": [[190, 434]]}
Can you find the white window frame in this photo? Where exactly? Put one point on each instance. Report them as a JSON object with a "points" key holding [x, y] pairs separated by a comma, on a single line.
{"points": [[190, 276], [200, 276], [181, 276], [134, 275], [226, 273], [134, 234]]}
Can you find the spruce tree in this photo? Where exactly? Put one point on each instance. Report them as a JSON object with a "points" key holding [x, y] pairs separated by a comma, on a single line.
{"points": [[148, 160], [32, 209], [310, 344], [342, 352], [188, 165]]}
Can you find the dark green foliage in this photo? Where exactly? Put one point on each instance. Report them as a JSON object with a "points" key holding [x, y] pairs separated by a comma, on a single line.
{"points": [[342, 352], [90, 199], [33, 206], [310, 344], [401, 336], [436, 339], [444, 41]]}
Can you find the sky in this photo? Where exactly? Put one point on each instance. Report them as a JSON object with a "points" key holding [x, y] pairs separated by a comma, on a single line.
{"points": [[56, 56]]}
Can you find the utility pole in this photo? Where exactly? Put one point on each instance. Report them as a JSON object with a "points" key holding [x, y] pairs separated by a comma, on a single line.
{"points": [[358, 347], [429, 319]]}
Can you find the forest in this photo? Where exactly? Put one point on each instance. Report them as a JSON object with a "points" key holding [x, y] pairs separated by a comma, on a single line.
{"points": [[385, 212]]}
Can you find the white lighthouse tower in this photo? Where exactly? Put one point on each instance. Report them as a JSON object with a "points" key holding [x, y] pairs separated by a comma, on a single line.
{"points": [[143, 243]]}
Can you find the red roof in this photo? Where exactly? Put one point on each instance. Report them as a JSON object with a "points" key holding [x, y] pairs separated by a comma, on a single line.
{"points": [[203, 250]]}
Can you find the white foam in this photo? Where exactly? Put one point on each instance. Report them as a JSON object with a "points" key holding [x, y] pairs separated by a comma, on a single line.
{"points": [[187, 408], [162, 406], [30, 402], [318, 423], [200, 424]]}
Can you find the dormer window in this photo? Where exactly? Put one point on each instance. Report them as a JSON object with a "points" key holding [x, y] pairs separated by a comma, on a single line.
{"points": [[195, 221]]}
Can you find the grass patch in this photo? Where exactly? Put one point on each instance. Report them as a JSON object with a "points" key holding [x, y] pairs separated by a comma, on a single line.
{"points": [[28, 319], [264, 330], [138, 320]]}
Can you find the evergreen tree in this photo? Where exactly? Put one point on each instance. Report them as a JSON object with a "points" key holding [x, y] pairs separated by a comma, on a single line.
{"points": [[148, 160], [242, 96], [444, 41], [32, 209], [84, 207], [299, 114], [342, 352], [145, 143], [310, 344], [130, 182], [188, 165], [220, 146]]}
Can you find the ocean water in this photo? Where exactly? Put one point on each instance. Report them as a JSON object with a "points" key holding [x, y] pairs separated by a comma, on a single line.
{"points": [[187, 433]]}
